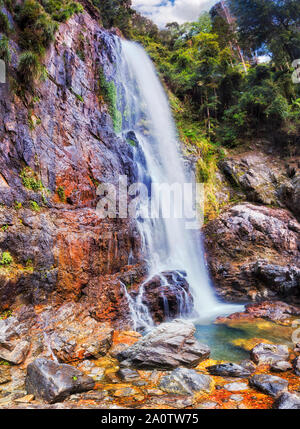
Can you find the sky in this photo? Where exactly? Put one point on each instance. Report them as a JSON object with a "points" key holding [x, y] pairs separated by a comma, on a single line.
{"points": [[164, 11]]}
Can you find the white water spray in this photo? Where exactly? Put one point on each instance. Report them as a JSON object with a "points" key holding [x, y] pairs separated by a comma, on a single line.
{"points": [[167, 243]]}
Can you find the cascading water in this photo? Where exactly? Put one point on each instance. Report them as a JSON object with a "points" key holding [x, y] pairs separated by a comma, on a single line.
{"points": [[148, 123]]}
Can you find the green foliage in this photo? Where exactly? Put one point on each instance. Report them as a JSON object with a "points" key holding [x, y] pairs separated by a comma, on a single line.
{"points": [[62, 10], [28, 69], [37, 27], [108, 91], [115, 13], [6, 259], [5, 54], [4, 23], [61, 194], [34, 206], [30, 180]]}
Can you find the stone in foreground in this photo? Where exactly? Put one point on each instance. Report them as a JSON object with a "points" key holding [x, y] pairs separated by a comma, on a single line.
{"points": [[288, 401], [296, 365], [269, 384], [229, 370], [184, 381], [269, 354], [54, 382], [166, 347], [281, 366]]}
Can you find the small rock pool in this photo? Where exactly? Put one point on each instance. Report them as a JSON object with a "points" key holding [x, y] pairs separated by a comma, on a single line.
{"points": [[232, 341]]}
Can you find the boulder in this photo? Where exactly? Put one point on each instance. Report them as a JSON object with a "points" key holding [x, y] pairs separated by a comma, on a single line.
{"points": [[269, 354], [237, 243], [167, 296], [269, 384], [288, 401], [296, 365], [183, 381], [229, 370], [252, 175], [166, 347], [281, 366], [236, 387], [54, 382], [74, 335], [14, 345]]}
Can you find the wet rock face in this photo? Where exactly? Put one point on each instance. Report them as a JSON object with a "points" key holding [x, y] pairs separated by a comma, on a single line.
{"points": [[52, 382], [275, 311], [253, 176], [166, 347], [253, 252], [66, 140], [168, 296], [14, 345], [73, 335]]}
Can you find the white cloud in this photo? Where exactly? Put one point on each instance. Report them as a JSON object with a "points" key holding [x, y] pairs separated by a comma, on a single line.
{"points": [[164, 11]]}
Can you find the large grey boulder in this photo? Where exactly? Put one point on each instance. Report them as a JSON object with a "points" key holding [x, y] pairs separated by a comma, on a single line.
{"points": [[54, 382], [269, 384], [166, 347], [269, 354], [288, 401], [184, 381]]}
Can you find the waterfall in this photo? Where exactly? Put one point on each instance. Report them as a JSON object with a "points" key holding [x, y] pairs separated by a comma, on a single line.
{"points": [[148, 124]]}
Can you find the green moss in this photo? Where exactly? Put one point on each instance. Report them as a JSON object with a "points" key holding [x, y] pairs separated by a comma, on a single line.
{"points": [[108, 91], [4, 228], [30, 180], [34, 206], [5, 54], [61, 193], [18, 205], [6, 259], [5, 315], [4, 23]]}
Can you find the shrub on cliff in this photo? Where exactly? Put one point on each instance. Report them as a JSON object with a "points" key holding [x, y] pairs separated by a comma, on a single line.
{"points": [[4, 23], [62, 10], [5, 54], [37, 27], [28, 68], [6, 258]]}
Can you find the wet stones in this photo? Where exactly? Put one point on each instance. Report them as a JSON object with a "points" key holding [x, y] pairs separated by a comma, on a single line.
{"points": [[54, 382], [166, 347], [296, 365], [288, 401], [269, 384], [229, 370], [269, 354], [236, 387], [184, 381], [281, 366], [167, 296]]}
